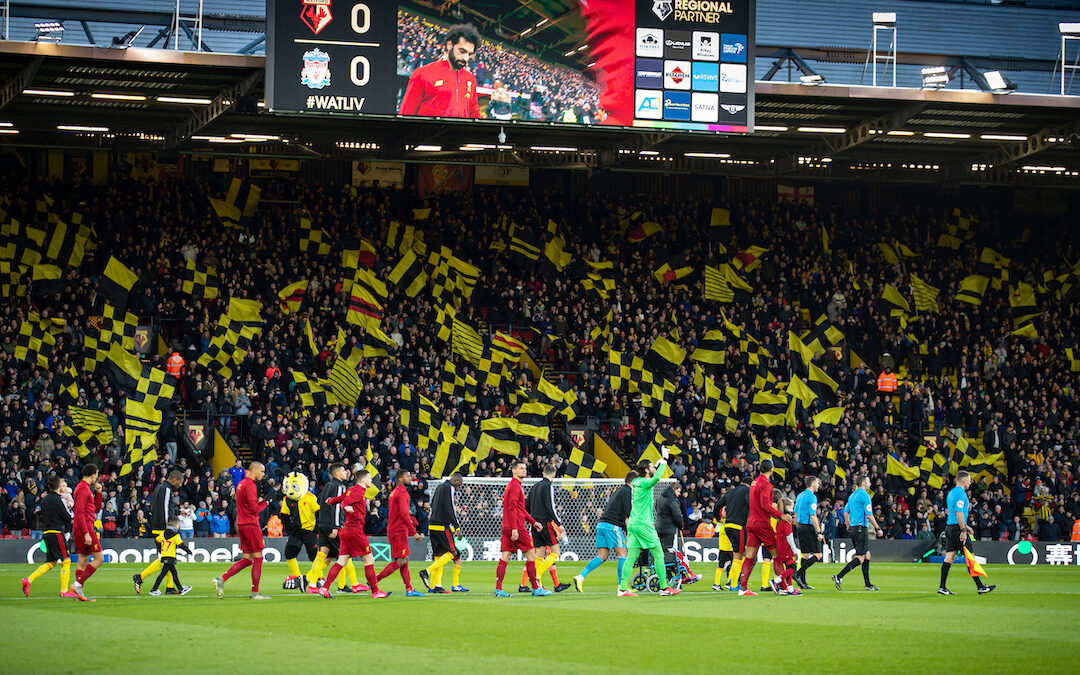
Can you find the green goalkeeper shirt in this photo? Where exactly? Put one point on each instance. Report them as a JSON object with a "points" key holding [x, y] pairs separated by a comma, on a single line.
{"points": [[641, 509]]}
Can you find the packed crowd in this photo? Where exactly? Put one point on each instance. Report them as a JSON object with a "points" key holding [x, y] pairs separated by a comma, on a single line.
{"points": [[1017, 394], [546, 92]]}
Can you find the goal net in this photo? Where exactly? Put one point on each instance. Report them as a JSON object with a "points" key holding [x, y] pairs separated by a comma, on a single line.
{"points": [[579, 503]]}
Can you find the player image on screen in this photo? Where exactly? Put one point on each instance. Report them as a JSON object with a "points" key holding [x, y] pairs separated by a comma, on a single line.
{"points": [[510, 82], [446, 87]]}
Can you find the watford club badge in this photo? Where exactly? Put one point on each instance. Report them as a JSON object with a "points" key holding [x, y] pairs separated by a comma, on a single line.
{"points": [[316, 14]]}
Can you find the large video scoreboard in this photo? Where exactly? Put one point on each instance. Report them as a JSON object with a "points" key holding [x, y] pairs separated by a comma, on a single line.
{"points": [[661, 64]]}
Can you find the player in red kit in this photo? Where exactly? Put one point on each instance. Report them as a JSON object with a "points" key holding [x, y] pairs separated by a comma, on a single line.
{"points": [[248, 508], [785, 561], [351, 538], [88, 501], [759, 531], [398, 530], [446, 88], [515, 532]]}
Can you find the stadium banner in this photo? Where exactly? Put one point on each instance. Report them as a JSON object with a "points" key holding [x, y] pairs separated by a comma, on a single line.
{"points": [[442, 178], [579, 548], [378, 174], [685, 65], [502, 175], [266, 167]]}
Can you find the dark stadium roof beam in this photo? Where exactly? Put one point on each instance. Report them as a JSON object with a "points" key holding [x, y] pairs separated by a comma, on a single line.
{"points": [[15, 85], [865, 130], [1007, 153], [211, 20], [221, 104]]}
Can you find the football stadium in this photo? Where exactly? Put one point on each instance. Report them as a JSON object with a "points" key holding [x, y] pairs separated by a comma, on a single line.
{"points": [[591, 335]]}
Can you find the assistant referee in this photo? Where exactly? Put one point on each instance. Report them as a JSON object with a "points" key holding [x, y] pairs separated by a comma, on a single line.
{"points": [[858, 512], [957, 530], [808, 529]]}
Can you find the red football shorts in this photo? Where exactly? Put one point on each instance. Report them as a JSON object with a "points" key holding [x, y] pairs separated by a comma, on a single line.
{"points": [[80, 543], [759, 535], [251, 538], [353, 542], [524, 541], [399, 546]]}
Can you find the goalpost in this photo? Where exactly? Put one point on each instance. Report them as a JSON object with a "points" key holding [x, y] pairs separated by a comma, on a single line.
{"points": [[579, 503]]}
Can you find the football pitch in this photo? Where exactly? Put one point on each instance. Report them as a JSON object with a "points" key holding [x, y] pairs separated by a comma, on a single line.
{"points": [[1032, 621]]}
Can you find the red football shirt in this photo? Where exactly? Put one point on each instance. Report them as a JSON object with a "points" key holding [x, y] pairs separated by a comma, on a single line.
{"points": [[437, 90], [761, 505], [353, 497], [248, 504], [514, 513], [401, 523], [87, 504]]}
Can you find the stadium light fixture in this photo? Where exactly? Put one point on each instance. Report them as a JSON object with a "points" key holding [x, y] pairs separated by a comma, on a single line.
{"points": [[769, 127], [998, 83], [935, 77], [256, 137], [118, 97], [822, 130], [7, 124], [812, 79], [552, 148], [80, 127], [946, 134], [48, 92], [649, 153], [899, 132], [428, 148], [570, 53], [49, 31], [187, 100], [1069, 28], [707, 155], [1002, 137], [9, 131], [884, 19]]}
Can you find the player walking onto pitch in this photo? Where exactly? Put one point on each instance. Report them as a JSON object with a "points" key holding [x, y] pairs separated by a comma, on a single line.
{"points": [[734, 508], [88, 502], [808, 528], [55, 521], [329, 523], [248, 508], [442, 526], [759, 531], [398, 530], [353, 541], [857, 513], [641, 529], [161, 512], [515, 532], [610, 535], [957, 530], [541, 506]]}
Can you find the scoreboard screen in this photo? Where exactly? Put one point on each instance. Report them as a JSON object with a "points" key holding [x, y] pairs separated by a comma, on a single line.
{"points": [[655, 64]]}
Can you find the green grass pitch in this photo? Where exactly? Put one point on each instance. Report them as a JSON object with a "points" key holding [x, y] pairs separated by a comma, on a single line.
{"points": [[1032, 621]]}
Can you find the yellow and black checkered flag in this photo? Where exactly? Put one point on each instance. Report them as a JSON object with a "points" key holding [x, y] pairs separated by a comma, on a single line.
{"points": [[366, 299], [229, 343], [311, 393], [458, 384], [66, 246], [141, 424], [722, 402], [87, 429], [47, 280], [67, 385], [581, 465], [657, 392], [200, 281], [119, 326], [35, 343], [822, 335], [313, 239], [116, 283], [155, 388]]}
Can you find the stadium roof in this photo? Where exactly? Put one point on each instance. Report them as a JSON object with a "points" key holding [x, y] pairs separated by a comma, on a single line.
{"points": [[173, 100]]}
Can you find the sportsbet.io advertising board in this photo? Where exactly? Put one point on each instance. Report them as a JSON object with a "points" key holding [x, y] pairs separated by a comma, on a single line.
{"points": [[655, 64]]}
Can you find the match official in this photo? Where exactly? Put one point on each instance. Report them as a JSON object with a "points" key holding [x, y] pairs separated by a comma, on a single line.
{"points": [[857, 513]]}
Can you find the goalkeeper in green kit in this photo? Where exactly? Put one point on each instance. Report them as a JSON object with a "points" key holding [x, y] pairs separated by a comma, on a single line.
{"points": [[640, 528]]}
